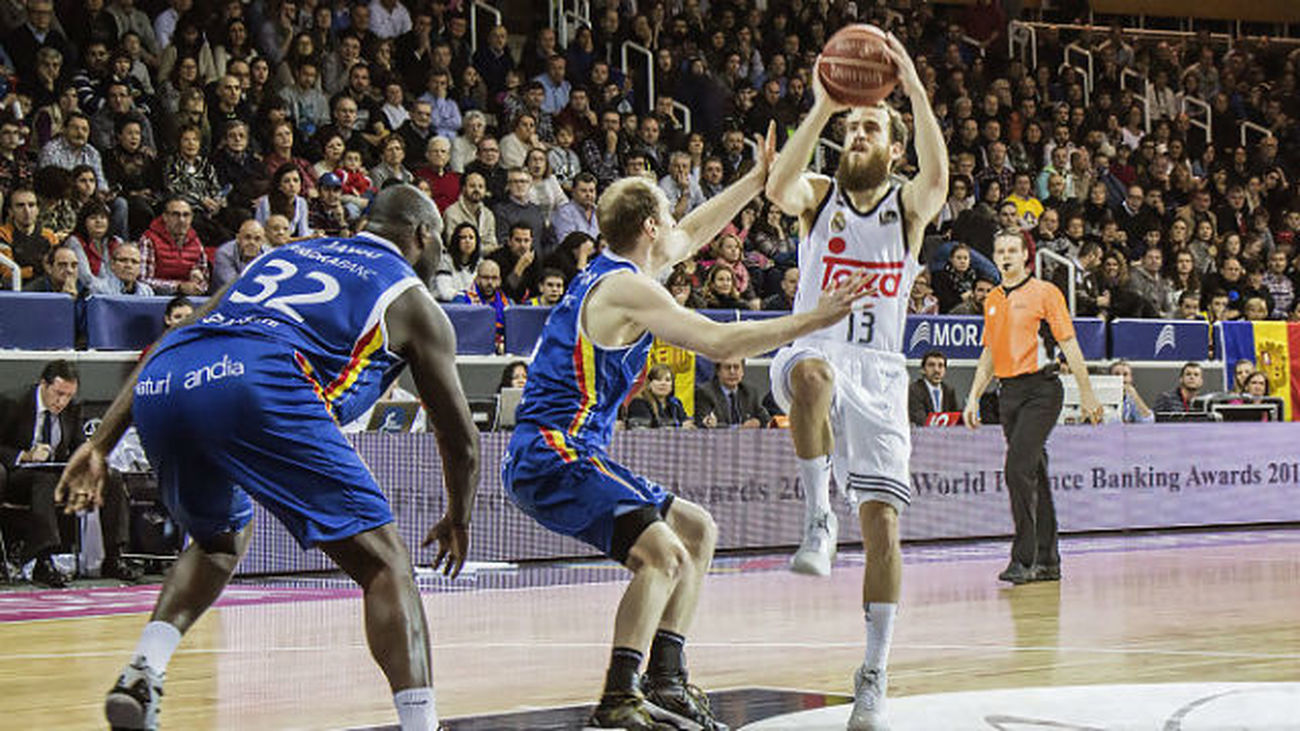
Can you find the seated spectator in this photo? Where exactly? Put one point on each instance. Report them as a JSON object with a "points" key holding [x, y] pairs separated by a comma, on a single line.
{"points": [[550, 289], [134, 172], [189, 175], [517, 206], [515, 146], [283, 199], [445, 117], [307, 104], [514, 375], [979, 293], [725, 401], [487, 291], [327, 214], [173, 258], [178, 308], [683, 291], [238, 167], [391, 163], [729, 252], [444, 185], [656, 407], [784, 298], [562, 159], [720, 290], [572, 255], [92, 243], [58, 201], [1133, 410], [464, 148], [684, 194], [955, 282], [469, 208], [921, 300], [1189, 306], [1114, 282], [546, 191], [357, 186], [60, 273], [1256, 388], [1256, 308], [123, 273], [21, 239], [1280, 287], [929, 394], [1150, 285], [488, 164], [280, 151], [42, 425], [459, 265], [579, 214], [1179, 399], [518, 262], [234, 255]]}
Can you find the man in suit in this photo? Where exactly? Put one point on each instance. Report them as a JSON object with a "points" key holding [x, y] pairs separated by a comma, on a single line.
{"points": [[929, 394], [42, 426], [726, 402]]}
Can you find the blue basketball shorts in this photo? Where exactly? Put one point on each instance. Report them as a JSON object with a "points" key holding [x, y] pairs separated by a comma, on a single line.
{"points": [[226, 418], [580, 492]]}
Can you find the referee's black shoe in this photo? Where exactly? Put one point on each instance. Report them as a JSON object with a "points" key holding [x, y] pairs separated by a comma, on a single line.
{"points": [[1047, 572], [1017, 573]]}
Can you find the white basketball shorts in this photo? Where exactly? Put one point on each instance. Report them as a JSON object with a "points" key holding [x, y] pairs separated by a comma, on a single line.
{"points": [[873, 442]]}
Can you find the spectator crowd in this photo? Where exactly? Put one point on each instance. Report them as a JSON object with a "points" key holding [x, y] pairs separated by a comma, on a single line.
{"points": [[155, 149]]}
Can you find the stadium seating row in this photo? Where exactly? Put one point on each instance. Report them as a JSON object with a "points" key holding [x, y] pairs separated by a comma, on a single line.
{"points": [[45, 321]]}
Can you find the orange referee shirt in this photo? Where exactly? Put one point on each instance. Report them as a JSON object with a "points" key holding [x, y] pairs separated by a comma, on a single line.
{"points": [[1022, 326]]}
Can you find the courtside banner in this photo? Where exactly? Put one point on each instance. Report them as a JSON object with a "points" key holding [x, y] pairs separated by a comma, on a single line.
{"points": [[1107, 477], [960, 336]]}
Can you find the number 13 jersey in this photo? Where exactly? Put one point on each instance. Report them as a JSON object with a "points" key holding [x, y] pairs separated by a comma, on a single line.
{"points": [[843, 241], [325, 301]]}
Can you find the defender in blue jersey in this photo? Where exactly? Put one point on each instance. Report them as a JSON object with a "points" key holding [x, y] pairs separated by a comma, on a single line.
{"points": [[558, 471], [244, 404]]}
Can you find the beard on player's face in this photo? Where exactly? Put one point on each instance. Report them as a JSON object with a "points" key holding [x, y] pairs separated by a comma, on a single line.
{"points": [[863, 169]]}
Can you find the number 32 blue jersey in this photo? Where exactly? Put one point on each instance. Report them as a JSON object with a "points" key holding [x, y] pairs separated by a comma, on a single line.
{"points": [[324, 300]]}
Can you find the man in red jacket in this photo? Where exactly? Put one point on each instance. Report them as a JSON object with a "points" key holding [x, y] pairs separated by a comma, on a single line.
{"points": [[173, 260]]}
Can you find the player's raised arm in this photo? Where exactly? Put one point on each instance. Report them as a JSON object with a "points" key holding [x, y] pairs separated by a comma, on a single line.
{"points": [[645, 302], [702, 224], [923, 195], [787, 186]]}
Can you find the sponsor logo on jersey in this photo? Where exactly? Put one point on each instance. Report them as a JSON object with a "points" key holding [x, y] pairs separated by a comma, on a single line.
{"points": [[886, 277]]}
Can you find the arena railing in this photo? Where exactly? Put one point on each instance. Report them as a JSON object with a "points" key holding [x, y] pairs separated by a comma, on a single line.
{"points": [[474, 10], [1048, 255], [649, 68], [1248, 126], [1024, 35], [1127, 73], [16, 277], [1202, 107], [819, 155]]}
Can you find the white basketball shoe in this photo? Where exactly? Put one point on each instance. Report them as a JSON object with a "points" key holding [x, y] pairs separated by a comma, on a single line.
{"points": [[817, 552], [869, 688], [133, 702]]}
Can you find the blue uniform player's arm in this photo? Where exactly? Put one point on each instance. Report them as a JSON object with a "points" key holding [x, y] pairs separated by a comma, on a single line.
{"points": [[420, 332], [83, 478]]}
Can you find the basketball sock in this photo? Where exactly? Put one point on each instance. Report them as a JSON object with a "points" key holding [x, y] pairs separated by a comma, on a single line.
{"points": [[880, 633], [624, 663], [416, 709], [815, 474], [157, 643], [666, 655]]}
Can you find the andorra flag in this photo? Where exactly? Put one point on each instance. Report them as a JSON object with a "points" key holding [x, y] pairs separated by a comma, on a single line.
{"points": [[1274, 346]]}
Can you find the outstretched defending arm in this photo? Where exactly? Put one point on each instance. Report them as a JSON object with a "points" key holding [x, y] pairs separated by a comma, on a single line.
{"points": [[702, 224], [923, 195]]}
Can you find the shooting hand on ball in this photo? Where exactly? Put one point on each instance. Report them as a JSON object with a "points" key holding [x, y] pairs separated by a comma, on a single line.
{"points": [[820, 96], [907, 75]]}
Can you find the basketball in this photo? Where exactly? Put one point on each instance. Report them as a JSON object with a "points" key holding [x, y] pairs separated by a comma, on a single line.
{"points": [[854, 69]]}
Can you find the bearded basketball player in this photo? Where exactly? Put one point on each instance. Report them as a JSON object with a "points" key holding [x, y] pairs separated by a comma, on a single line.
{"points": [[845, 387]]}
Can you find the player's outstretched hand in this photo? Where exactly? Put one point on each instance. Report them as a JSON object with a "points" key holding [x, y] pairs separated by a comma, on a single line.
{"points": [[971, 415], [839, 299], [453, 545], [82, 483], [767, 152]]}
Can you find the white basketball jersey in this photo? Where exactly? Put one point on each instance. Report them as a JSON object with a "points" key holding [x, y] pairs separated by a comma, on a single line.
{"points": [[843, 241]]}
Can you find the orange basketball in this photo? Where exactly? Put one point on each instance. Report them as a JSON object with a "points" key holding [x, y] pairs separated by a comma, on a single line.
{"points": [[854, 69]]}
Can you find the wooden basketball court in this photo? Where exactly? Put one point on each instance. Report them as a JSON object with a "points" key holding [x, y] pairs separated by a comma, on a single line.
{"points": [[1157, 608]]}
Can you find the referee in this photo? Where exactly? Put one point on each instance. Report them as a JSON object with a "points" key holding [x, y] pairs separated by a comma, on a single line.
{"points": [[1025, 320]]}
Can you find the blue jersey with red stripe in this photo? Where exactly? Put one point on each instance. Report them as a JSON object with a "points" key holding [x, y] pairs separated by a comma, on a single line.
{"points": [[575, 386], [324, 300]]}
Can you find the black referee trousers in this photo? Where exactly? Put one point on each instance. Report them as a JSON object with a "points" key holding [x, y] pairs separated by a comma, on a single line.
{"points": [[1029, 406]]}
